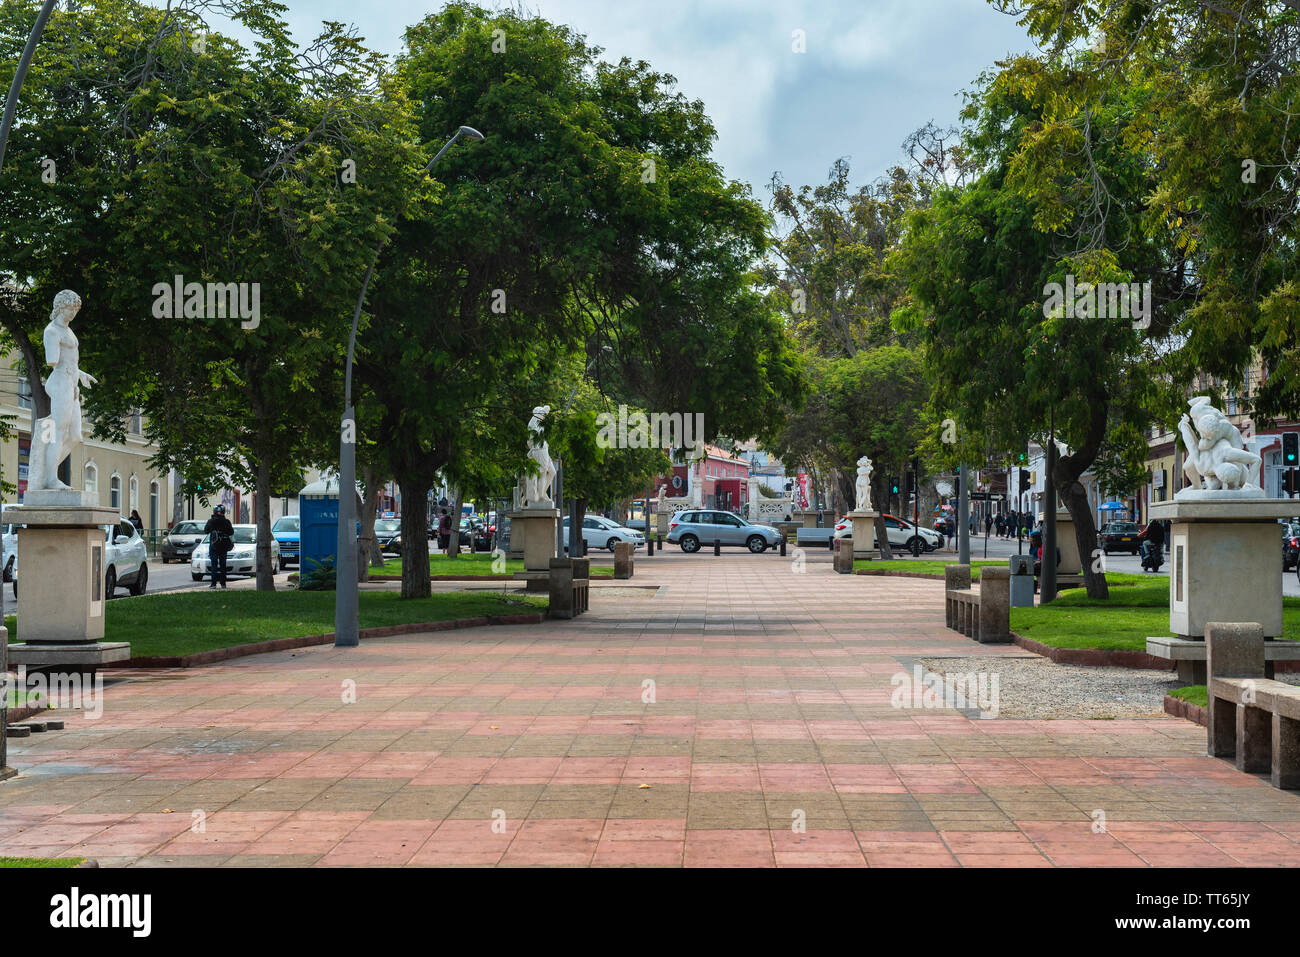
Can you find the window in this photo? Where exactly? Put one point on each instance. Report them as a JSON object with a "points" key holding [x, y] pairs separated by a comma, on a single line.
{"points": [[135, 493], [92, 478], [24, 393], [115, 493], [134, 425]]}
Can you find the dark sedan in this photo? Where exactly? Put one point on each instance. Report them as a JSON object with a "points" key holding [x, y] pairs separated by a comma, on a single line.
{"points": [[178, 544], [1120, 537], [388, 533]]}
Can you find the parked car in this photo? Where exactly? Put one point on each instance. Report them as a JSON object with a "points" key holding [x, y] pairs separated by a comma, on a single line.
{"points": [[1120, 537], [178, 544], [9, 534], [692, 528], [902, 534], [601, 532], [242, 559], [476, 530], [126, 560], [1291, 546], [388, 531], [287, 533]]}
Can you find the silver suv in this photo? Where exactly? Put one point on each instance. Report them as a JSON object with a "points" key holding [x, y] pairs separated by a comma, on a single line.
{"points": [[696, 527]]}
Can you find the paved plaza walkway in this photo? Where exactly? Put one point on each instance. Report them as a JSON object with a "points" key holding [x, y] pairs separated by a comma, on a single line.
{"points": [[725, 712]]}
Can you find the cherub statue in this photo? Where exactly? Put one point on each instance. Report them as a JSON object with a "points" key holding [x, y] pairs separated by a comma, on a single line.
{"points": [[863, 486], [537, 488], [1217, 459]]}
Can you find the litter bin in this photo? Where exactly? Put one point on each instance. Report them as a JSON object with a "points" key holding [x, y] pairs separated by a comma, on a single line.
{"points": [[1022, 581]]}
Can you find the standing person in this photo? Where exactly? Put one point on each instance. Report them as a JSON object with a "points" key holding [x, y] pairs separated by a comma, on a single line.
{"points": [[137, 521], [219, 545], [988, 525], [444, 531]]}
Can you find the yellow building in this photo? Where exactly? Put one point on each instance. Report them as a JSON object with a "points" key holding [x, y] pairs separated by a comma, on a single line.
{"points": [[118, 472]]}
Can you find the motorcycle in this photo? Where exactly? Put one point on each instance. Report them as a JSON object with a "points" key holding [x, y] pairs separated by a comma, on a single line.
{"points": [[1153, 556]]}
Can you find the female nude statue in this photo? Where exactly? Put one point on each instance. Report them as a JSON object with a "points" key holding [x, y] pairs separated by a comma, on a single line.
{"points": [[59, 433]]}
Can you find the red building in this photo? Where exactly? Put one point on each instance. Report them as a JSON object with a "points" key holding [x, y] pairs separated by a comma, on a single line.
{"points": [[725, 479]]}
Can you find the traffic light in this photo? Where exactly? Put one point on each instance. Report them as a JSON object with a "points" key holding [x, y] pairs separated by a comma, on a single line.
{"points": [[911, 482], [1289, 482], [893, 485], [1022, 458], [1024, 480], [1290, 449]]}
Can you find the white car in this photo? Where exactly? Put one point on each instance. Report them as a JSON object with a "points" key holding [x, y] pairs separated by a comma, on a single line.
{"points": [[242, 559], [601, 532], [126, 560], [902, 535]]}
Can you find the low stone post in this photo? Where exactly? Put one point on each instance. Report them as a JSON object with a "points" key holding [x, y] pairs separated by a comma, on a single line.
{"points": [[843, 560], [1234, 650], [995, 605], [561, 588], [623, 560]]}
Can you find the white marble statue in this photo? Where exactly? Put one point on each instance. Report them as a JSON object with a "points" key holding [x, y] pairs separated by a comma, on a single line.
{"points": [[863, 486], [1218, 461], [537, 488], [56, 435]]}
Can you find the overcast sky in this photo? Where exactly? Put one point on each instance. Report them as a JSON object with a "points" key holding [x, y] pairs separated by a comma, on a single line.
{"points": [[873, 70]]}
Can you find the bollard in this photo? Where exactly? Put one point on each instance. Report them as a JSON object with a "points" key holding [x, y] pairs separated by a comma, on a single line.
{"points": [[717, 547], [649, 547], [830, 543], [783, 546]]}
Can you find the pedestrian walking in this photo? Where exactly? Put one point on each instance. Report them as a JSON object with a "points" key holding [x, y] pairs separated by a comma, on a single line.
{"points": [[444, 531], [988, 525], [221, 540]]}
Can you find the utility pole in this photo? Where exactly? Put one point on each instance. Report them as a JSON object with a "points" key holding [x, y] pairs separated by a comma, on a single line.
{"points": [[1047, 580], [963, 515]]}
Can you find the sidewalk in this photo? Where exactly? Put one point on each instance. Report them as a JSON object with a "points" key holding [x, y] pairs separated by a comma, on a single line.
{"points": [[548, 745]]}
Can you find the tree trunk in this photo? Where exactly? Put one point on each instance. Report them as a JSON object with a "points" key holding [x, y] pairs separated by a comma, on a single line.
{"points": [[415, 536], [453, 543], [265, 580], [369, 507], [178, 498], [882, 533], [1075, 496]]}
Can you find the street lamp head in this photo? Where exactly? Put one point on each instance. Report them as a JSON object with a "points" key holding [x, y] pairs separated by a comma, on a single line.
{"points": [[470, 132]]}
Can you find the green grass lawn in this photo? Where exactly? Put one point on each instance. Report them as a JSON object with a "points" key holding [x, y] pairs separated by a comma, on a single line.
{"points": [[479, 563], [468, 566], [1122, 622], [1194, 694], [924, 566], [189, 622], [40, 861]]}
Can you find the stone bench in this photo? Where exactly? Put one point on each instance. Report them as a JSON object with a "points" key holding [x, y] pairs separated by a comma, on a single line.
{"points": [[1252, 719], [570, 587], [984, 615], [814, 536], [1188, 655]]}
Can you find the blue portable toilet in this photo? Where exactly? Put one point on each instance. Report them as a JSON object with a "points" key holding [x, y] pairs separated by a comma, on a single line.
{"points": [[318, 516]]}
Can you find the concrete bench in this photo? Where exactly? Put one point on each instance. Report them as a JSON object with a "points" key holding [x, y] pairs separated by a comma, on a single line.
{"points": [[984, 615], [570, 587], [1188, 655], [1252, 719]]}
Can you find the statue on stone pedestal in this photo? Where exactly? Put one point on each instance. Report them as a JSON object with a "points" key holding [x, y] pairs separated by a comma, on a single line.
{"points": [[56, 435], [660, 499], [1217, 458], [537, 488], [863, 485]]}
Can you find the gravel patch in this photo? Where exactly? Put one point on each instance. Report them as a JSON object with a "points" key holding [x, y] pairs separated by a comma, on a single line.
{"points": [[1036, 687]]}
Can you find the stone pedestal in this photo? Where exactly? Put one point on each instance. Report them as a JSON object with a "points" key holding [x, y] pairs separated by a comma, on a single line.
{"points": [[1225, 562], [61, 597], [1066, 542], [623, 560], [517, 533], [538, 527], [805, 518], [661, 524], [864, 530]]}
